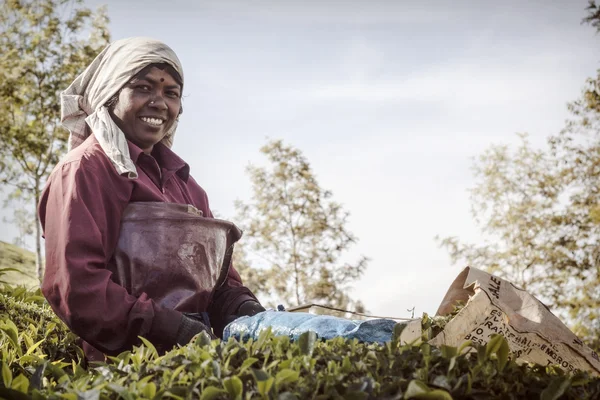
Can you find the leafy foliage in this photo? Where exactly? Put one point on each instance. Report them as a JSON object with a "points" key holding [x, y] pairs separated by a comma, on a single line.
{"points": [[31, 327], [40, 360], [295, 227], [593, 15], [539, 210], [44, 45]]}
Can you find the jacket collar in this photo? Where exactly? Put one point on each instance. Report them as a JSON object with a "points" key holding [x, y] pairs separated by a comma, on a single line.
{"points": [[165, 157]]}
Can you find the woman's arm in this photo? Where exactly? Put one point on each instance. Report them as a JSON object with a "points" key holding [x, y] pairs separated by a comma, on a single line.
{"points": [[80, 211], [227, 301]]}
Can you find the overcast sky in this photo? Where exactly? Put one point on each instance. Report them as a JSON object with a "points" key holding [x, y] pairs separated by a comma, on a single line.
{"points": [[389, 101]]}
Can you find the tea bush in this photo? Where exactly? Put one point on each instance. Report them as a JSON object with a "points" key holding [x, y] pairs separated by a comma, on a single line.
{"points": [[40, 360]]}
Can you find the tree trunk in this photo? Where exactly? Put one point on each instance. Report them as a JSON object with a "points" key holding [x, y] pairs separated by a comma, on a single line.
{"points": [[38, 234], [297, 283]]}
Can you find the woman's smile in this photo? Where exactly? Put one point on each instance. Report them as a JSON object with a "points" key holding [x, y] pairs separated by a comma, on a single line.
{"points": [[147, 107], [154, 122]]}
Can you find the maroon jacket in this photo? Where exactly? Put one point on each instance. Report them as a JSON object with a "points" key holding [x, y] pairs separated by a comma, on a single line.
{"points": [[80, 211]]}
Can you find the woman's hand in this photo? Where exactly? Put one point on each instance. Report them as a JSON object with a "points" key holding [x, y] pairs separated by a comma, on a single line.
{"points": [[189, 328], [250, 308]]}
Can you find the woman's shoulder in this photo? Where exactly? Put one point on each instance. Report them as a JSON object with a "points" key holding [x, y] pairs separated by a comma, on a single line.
{"points": [[195, 187], [87, 159], [89, 153]]}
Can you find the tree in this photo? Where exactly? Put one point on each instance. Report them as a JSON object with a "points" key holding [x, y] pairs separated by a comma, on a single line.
{"points": [[254, 279], [294, 227], [44, 45], [539, 210], [22, 218]]}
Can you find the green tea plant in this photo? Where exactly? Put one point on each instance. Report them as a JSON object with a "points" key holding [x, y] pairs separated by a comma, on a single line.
{"points": [[40, 360]]}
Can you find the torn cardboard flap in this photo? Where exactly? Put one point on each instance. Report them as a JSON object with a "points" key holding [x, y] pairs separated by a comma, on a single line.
{"points": [[496, 306]]}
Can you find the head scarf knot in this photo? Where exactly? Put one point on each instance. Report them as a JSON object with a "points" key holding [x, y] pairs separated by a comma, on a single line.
{"points": [[83, 109]]}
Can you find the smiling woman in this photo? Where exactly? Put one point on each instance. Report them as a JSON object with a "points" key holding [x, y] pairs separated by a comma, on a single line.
{"points": [[132, 248], [146, 108]]}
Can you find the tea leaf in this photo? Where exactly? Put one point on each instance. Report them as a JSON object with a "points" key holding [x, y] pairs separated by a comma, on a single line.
{"points": [[502, 354], [482, 354], [416, 388], [448, 351], [346, 365], [247, 363], [20, 383], [465, 345], [260, 375], [149, 390], [442, 381], [202, 339], [33, 347], [493, 345], [556, 389], [34, 299], [264, 335], [306, 342], [216, 369], [6, 375], [286, 376], [265, 386], [425, 349], [36, 379], [150, 346], [234, 387], [93, 394], [419, 390], [452, 364], [211, 392], [121, 391], [11, 331]]}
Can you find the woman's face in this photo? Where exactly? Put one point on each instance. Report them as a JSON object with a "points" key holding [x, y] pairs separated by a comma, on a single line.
{"points": [[148, 107]]}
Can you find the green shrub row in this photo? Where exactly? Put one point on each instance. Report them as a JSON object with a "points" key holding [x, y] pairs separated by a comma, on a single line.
{"points": [[30, 327], [41, 361]]}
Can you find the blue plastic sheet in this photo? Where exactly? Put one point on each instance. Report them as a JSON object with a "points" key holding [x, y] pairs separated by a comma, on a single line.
{"points": [[293, 324]]}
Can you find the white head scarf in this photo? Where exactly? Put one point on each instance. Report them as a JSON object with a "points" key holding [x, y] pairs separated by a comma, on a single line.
{"points": [[82, 104]]}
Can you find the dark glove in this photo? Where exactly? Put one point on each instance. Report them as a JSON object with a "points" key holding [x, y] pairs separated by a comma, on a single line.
{"points": [[189, 328], [248, 308]]}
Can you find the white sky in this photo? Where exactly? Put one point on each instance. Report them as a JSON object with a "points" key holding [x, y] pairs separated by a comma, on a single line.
{"points": [[388, 100]]}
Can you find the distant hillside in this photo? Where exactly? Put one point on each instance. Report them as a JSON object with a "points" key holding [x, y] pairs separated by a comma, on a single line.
{"points": [[12, 256]]}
